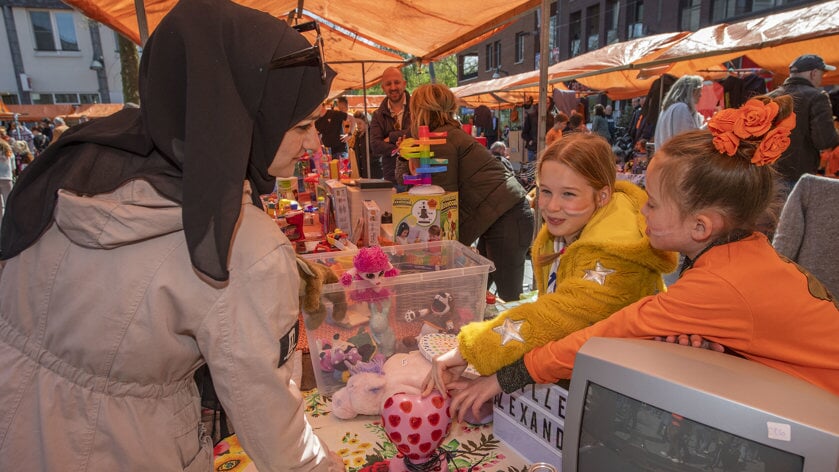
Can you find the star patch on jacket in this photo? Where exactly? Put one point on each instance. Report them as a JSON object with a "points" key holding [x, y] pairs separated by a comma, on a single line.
{"points": [[288, 344], [598, 273], [509, 331]]}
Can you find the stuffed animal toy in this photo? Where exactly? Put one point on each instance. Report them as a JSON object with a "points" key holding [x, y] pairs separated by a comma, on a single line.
{"points": [[370, 266], [313, 277], [440, 314], [365, 392]]}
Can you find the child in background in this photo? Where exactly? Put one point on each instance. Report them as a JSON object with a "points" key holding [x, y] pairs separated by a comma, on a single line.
{"points": [[590, 258], [707, 189]]}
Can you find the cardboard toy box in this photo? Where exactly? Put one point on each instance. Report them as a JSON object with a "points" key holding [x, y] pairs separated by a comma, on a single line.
{"points": [[532, 421], [420, 218], [441, 286], [337, 206]]}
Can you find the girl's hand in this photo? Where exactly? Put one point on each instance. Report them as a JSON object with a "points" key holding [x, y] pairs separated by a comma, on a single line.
{"points": [[472, 394], [693, 340], [445, 368]]}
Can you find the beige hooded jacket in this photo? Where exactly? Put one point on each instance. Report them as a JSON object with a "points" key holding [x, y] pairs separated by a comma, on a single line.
{"points": [[103, 322]]}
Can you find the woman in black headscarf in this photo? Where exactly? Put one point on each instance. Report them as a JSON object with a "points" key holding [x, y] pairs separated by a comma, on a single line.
{"points": [[133, 253]]}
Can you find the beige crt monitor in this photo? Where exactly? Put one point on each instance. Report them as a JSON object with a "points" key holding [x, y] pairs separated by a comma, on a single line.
{"points": [[637, 405]]}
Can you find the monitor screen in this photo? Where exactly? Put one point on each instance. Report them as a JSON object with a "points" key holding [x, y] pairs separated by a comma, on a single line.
{"points": [[622, 433], [636, 405]]}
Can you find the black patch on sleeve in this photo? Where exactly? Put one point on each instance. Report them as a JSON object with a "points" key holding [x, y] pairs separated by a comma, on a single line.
{"points": [[288, 344]]}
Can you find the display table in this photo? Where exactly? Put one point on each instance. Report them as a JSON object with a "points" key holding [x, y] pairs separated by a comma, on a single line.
{"points": [[364, 446]]}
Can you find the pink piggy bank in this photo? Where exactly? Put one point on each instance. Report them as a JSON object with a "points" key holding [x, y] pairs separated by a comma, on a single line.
{"points": [[417, 426]]}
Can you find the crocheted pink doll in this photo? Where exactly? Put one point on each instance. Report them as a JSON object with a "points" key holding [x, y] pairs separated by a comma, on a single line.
{"points": [[370, 266]]}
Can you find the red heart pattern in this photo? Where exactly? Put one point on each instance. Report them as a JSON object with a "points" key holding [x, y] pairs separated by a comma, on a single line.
{"points": [[415, 424]]}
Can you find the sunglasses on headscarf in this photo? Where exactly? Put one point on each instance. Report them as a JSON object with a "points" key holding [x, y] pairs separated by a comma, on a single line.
{"points": [[310, 56]]}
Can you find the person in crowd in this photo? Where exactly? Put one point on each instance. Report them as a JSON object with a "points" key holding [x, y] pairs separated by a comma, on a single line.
{"points": [[499, 150], [98, 363], [21, 133], [7, 166], [492, 204], [333, 125], [530, 128], [636, 118], [814, 130], [599, 125], [360, 144], [60, 128], [39, 139], [391, 123], [679, 109], [807, 232], [784, 319], [575, 125], [23, 156], [487, 124], [555, 133], [590, 258], [612, 116], [46, 128]]}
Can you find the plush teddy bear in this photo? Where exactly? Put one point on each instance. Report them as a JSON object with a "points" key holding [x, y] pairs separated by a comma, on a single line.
{"points": [[313, 277], [366, 391]]}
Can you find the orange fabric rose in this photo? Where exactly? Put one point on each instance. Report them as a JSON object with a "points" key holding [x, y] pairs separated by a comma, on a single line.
{"points": [[726, 143], [723, 120], [775, 142], [755, 119]]}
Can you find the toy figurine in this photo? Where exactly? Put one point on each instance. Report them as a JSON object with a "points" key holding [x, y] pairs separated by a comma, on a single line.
{"points": [[370, 266]]}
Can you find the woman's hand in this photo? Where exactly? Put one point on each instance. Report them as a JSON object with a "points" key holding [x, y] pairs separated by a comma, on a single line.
{"points": [[693, 340], [444, 369], [472, 394]]}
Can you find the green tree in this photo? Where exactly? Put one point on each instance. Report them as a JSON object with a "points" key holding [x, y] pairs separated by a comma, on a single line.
{"points": [[130, 64], [445, 72]]}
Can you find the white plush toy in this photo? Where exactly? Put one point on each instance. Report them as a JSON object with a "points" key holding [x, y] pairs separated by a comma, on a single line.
{"points": [[365, 392]]}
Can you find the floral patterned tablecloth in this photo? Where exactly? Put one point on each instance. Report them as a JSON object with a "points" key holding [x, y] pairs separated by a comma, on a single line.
{"points": [[363, 444]]}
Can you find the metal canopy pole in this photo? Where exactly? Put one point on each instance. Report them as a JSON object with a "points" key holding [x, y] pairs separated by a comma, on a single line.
{"points": [[142, 23], [544, 57]]}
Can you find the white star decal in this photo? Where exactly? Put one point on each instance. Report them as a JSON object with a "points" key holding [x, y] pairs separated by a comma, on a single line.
{"points": [[509, 331], [598, 274]]}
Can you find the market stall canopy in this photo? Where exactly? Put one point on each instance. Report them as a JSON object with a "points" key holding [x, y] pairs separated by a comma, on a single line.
{"points": [[426, 29], [607, 69], [94, 110], [31, 113], [772, 42]]}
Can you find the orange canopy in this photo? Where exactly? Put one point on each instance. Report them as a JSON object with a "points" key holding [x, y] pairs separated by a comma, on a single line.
{"points": [[427, 30], [772, 42]]}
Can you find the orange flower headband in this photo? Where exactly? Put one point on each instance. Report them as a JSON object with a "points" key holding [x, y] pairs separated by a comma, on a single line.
{"points": [[750, 122]]}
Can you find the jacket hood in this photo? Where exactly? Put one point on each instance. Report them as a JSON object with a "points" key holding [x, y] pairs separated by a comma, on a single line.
{"points": [[132, 213]]}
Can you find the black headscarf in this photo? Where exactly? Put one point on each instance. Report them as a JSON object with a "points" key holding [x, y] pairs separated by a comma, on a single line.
{"points": [[213, 114]]}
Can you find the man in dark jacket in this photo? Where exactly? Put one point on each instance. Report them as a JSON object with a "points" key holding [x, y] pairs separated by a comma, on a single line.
{"points": [[530, 128], [814, 129], [391, 122]]}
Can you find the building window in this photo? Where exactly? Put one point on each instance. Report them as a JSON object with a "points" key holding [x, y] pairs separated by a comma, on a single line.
{"points": [[10, 99], [468, 66], [635, 25], [86, 98], [726, 9], [488, 58], [41, 99], [520, 47], [66, 98], [689, 14], [44, 26], [496, 48], [593, 27], [575, 32], [612, 16]]}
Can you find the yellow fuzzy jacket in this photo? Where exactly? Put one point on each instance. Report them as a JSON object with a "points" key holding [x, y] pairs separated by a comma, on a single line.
{"points": [[613, 247]]}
